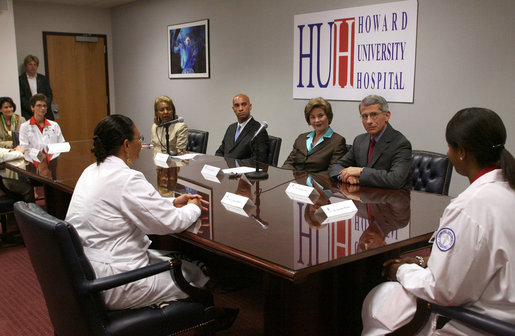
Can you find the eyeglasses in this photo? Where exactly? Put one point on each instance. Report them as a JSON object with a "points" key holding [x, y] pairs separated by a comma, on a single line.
{"points": [[141, 138], [372, 115]]}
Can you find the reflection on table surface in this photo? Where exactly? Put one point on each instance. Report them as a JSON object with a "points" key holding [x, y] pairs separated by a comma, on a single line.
{"points": [[276, 230]]}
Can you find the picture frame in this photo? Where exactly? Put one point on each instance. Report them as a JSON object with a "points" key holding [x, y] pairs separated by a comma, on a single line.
{"points": [[188, 50]]}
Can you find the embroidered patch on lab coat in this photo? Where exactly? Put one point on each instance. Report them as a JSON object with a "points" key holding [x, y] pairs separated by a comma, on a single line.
{"points": [[445, 239]]}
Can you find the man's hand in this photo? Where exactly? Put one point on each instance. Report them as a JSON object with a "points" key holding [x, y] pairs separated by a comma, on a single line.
{"points": [[350, 172], [353, 180]]}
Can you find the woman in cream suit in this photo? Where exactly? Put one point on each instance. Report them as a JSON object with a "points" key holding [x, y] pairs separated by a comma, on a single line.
{"points": [[164, 110]]}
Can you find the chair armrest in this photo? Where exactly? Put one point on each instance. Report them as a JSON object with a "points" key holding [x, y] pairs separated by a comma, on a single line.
{"points": [[116, 280], [475, 319], [199, 295]]}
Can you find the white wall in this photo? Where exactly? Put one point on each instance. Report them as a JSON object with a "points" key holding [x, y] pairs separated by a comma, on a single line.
{"points": [[465, 57], [8, 68], [32, 18]]}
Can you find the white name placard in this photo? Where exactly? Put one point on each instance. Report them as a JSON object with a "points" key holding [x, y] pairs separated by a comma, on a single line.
{"points": [[211, 173], [161, 160], [237, 204], [57, 148], [338, 211], [301, 193]]}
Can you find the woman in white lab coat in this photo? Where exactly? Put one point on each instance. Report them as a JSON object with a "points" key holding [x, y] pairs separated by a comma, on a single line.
{"points": [[473, 255], [114, 207]]}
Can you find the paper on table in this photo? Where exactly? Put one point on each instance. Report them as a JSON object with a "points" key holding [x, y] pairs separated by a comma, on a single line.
{"points": [[238, 170], [56, 148], [187, 156]]}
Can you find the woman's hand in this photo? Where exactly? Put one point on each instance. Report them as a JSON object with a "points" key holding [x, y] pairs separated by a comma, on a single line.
{"points": [[391, 266], [184, 199]]}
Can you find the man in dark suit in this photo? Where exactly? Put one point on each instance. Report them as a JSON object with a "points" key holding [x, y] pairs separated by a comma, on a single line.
{"points": [[31, 83], [239, 141], [379, 158]]}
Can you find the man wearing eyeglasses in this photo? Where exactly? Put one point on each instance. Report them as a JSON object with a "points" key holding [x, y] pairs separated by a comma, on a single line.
{"points": [[379, 158]]}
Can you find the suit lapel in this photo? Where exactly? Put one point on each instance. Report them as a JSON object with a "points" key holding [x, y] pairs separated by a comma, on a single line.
{"points": [[318, 147], [244, 133], [381, 146]]}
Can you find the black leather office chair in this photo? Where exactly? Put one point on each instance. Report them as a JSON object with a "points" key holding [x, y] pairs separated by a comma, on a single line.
{"points": [[431, 172], [197, 141], [468, 317], [73, 294], [274, 148], [7, 200]]}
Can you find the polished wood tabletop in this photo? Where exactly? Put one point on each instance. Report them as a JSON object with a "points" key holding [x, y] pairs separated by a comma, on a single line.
{"points": [[282, 236]]}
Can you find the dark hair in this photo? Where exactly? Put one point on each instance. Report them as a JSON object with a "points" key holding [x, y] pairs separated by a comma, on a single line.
{"points": [[482, 134], [38, 97], [9, 100], [318, 102], [109, 135]]}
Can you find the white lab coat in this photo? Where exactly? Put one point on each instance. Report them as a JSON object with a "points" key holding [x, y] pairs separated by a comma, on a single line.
{"points": [[35, 141], [113, 209], [476, 270]]}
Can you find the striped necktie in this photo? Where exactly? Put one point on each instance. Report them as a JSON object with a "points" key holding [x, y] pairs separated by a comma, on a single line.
{"points": [[371, 148]]}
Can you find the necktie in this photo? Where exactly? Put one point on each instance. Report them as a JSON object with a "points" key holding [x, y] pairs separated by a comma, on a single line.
{"points": [[238, 130], [371, 148]]}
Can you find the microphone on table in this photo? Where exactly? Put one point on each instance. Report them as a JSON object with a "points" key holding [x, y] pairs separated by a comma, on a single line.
{"points": [[258, 174], [171, 122]]}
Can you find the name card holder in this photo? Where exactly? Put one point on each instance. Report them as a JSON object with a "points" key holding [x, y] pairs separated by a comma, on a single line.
{"points": [[238, 204], [162, 160], [302, 193], [212, 173], [336, 212]]}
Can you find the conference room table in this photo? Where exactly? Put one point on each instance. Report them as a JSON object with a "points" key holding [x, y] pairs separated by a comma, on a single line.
{"points": [[315, 274]]}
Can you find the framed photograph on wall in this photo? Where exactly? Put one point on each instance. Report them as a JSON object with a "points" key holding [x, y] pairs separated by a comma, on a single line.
{"points": [[188, 50]]}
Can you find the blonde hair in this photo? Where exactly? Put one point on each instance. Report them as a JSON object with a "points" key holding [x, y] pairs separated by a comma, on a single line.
{"points": [[159, 100]]}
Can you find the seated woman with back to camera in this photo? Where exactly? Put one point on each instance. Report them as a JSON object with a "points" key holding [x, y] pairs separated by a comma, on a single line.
{"points": [[472, 260], [114, 207], [314, 151], [164, 111]]}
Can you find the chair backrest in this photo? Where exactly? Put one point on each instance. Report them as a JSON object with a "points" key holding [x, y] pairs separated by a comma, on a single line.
{"points": [[274, 148], [431, 172], [16, 138], [62, 268], [197, 141]]}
